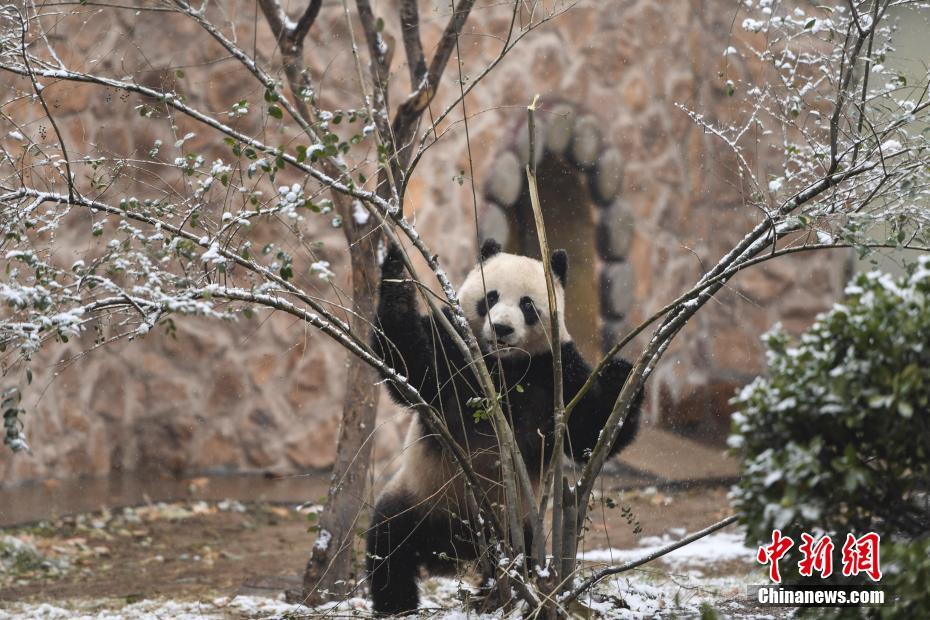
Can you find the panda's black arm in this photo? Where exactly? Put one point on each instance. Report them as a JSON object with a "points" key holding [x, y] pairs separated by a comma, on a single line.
{"points": [[402, 337], [591, 414]]}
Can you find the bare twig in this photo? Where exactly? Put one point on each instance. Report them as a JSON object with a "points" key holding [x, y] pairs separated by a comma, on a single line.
{"points": [[658, 553], [37, 89]]}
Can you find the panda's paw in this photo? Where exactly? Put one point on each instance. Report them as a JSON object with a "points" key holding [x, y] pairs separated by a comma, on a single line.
{"points": [[393, 265], [615, 373]]}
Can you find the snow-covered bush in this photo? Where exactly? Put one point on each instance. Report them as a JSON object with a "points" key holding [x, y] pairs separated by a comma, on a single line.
{"points": [[837, 437], [906, 578]]}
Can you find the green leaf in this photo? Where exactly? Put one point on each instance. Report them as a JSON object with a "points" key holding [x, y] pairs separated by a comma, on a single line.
{"points": [[275, 111]]}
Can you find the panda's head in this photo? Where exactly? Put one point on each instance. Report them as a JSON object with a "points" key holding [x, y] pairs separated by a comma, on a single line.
{"points": [[506, 302]]}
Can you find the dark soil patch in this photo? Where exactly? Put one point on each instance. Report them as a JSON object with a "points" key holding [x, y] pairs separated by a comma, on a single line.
{"points": [[193, 557], [197, 549]]}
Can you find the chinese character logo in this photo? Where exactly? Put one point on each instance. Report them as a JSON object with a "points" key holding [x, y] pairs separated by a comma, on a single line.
{"points": [[771, 554], [817, 557], [860, 555]]}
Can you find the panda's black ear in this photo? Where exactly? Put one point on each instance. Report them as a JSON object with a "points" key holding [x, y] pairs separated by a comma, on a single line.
{"points": [[489, 248], [559, 265]]}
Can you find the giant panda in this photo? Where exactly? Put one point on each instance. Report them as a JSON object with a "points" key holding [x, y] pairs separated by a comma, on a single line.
{"points": [[421, 516]]}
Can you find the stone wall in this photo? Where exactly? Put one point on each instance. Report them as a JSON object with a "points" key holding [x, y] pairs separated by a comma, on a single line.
{"points": [[264, 396]]}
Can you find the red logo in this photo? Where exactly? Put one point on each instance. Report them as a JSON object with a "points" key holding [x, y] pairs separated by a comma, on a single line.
{"points": [[860, 555], [771, 554], [817, 557]]}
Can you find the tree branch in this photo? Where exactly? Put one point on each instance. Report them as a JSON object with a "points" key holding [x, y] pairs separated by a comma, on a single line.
{"points": [[408, 113], [307, 19], [283, 28], [413, 46], [613, 570]]}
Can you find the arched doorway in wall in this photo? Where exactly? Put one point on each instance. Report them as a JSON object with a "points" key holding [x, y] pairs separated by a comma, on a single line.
{"points": [[570, 224], [579, 182]]}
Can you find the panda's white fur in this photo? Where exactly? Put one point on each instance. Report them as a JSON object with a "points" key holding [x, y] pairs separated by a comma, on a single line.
{"points": [[421, 514], [514, 278]]}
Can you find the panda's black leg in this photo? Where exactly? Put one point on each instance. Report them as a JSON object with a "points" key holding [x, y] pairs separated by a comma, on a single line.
{"points": [[392, 556]]}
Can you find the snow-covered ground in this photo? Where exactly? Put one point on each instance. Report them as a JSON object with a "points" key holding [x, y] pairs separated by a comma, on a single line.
{"points": [[718, 547], [637, 597], [222, 608], [712, 573]]}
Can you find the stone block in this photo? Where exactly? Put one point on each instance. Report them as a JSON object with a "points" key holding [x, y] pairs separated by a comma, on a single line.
{"points": [[505, 180], [586, 141], [635, 91], [70, 97], [734, 349], [494, 225], [560, 125], [615, 232], [107, 398], [617, 289], [605, 182], [264, 368], [219, 451], [164, 442], [228, 390], [655, 139], [315, 450], [765, 284]]}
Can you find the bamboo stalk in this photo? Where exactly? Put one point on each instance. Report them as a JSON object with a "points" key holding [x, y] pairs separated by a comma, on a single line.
{"points": [[553, 475]]}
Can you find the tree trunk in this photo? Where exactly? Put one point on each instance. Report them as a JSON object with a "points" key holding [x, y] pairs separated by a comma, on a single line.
{"points": [[331, 569]]}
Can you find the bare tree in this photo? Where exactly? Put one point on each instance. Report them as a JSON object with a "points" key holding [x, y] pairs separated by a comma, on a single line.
{"points": [[851, 154], [367, 196], [331, 565]]}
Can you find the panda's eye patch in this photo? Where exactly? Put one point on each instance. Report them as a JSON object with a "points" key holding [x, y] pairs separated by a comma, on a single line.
{"points": [[530, 314], [488, 302]]}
